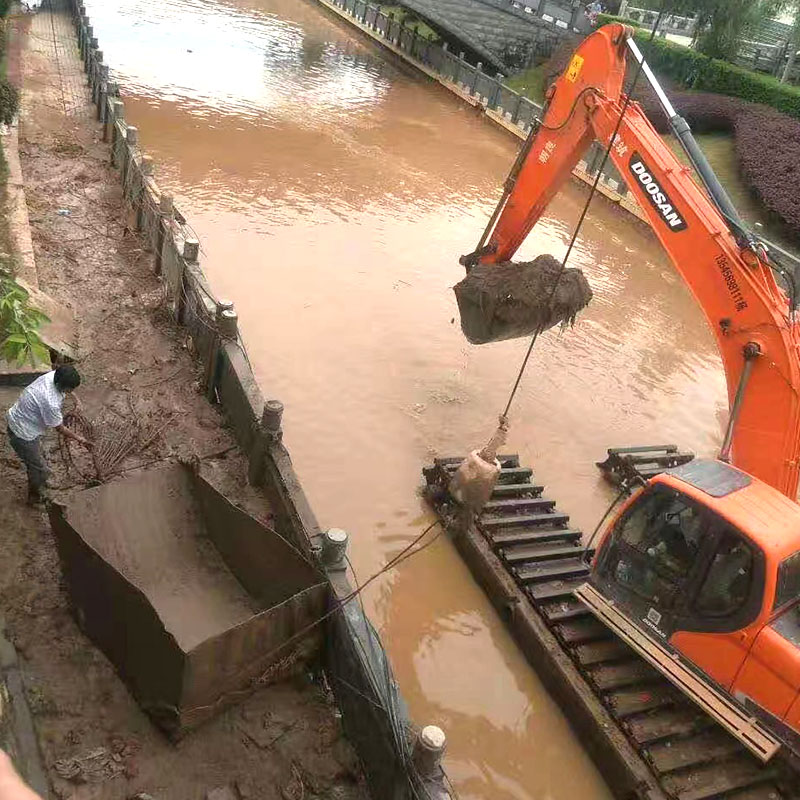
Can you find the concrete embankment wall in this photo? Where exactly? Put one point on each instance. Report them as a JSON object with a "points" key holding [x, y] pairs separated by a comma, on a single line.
{"points": [[502, 105], [373, 713]]}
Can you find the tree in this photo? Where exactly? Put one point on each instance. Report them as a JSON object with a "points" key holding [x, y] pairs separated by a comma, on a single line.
{"points": [[722, 23], [794, 43]]}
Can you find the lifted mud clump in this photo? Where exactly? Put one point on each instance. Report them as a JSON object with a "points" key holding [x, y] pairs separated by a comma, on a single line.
{"points": [[507, 300]]}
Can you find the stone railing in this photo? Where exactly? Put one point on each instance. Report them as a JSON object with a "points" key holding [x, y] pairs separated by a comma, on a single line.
{"points": [[513, 110]]}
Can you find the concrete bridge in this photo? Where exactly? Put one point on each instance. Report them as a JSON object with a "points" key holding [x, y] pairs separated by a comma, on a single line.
{"points": [[495, 28]]}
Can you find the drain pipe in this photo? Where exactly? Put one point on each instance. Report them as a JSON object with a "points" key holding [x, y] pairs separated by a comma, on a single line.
{"points": [[751, 352]]}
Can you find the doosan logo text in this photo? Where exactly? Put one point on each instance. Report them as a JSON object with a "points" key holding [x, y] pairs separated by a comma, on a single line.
{"points": [[658, 198]]}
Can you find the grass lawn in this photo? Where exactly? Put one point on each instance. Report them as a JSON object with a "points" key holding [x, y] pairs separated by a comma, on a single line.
{"points": [[528, 83]]}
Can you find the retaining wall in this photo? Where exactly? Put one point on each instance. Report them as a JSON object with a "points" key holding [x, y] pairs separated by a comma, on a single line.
{"points": [[500, 103], [355, 662]]}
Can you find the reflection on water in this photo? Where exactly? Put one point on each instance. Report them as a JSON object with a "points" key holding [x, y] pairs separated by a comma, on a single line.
{"points": [[333, 192]]}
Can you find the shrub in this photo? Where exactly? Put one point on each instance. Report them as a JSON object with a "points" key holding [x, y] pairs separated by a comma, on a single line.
{"points": [[705, 112], [696, 71], [9, 102], [607, 19], [768, 149], [19, 325]]}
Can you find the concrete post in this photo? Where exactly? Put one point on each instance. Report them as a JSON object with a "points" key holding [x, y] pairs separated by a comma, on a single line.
{"points": [[83, 33], [102, 94], [334, 549], [96, 76], [166, 212], [428, 750], [132, 140], [226, 320], [191, 250], [478, 71], [146, 169], [87, 63], [577, 14], [117, 115], [272, 418], [267, 432], [229, 324], [189, 255]]}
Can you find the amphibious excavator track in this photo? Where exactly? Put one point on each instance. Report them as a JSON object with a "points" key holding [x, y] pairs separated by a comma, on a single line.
{"points": [[649, 739]]}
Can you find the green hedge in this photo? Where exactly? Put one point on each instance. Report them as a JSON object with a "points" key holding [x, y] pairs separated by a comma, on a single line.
{"points": [[607, 19], [704, 74], [696, 71]]}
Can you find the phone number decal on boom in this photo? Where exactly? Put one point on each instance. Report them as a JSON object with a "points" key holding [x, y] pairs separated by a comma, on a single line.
{"points": [[658, 198]]}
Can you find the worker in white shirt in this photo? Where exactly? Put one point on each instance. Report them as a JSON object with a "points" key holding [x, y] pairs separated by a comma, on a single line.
{"points": [[38, 408]]}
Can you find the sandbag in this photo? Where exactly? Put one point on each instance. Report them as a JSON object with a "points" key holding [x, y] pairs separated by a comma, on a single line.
{"points": [[510, 299]]}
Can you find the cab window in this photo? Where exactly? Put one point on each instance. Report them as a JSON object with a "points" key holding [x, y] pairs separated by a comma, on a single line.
{"points": [[788, 581], [726, 586], [658, 542]]}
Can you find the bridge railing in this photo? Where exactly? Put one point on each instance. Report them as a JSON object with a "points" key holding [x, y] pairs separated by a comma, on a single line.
{"points": [[515, 110]]}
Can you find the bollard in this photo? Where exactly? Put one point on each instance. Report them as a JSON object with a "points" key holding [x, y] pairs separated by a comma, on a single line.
{"points": [[191, 250], [132, 135], [334, 549], [165, 205], [267, 433], [272, 417], [428, 750], [224, 312], [229, 324], [147, 166]]}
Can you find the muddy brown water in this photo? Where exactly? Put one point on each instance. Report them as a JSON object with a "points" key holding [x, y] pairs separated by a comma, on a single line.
{"points": [[333, 192]]}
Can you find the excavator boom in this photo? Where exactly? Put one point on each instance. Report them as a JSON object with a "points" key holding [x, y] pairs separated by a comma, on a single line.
{"points": [[727, 270]]}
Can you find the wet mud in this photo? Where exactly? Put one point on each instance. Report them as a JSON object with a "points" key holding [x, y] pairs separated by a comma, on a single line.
{"points": [[150, 530]]}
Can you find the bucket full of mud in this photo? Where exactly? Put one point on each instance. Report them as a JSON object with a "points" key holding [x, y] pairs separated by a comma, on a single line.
{"points": [[511, 299], [194, 602]]}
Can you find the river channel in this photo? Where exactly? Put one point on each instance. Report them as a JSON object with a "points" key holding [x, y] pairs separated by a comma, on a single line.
{"points": [[333, 191]]}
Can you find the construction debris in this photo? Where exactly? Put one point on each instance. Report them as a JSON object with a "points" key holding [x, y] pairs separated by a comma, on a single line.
{"points": [[114, 439]]}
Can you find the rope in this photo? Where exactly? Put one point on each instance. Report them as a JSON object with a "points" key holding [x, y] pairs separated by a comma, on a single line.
{"points": [[606, 155]]}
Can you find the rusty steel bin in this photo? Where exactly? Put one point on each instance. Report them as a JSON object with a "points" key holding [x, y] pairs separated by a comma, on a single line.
{"points": [[194, 601]]}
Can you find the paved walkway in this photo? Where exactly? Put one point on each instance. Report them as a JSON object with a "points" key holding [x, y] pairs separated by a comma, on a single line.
{"points": [[52, 65]]}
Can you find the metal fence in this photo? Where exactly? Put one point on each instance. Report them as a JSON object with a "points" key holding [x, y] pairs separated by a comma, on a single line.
{"points": [[489, 90]]}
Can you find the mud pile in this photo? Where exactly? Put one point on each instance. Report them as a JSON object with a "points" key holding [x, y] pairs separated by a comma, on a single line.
{"points": [[511, 299]]}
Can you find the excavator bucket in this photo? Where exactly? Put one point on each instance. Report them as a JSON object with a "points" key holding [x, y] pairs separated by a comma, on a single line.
{"points": [[510, 299]]}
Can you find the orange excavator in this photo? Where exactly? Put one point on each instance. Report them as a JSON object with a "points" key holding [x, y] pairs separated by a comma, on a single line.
{"points": [[700, 570]]}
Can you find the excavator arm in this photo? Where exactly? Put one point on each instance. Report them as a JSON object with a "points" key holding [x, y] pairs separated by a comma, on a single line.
{"points": [[727, 269]]}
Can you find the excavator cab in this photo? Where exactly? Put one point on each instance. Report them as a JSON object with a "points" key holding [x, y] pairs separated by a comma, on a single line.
{"points": [[705, 561]]}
